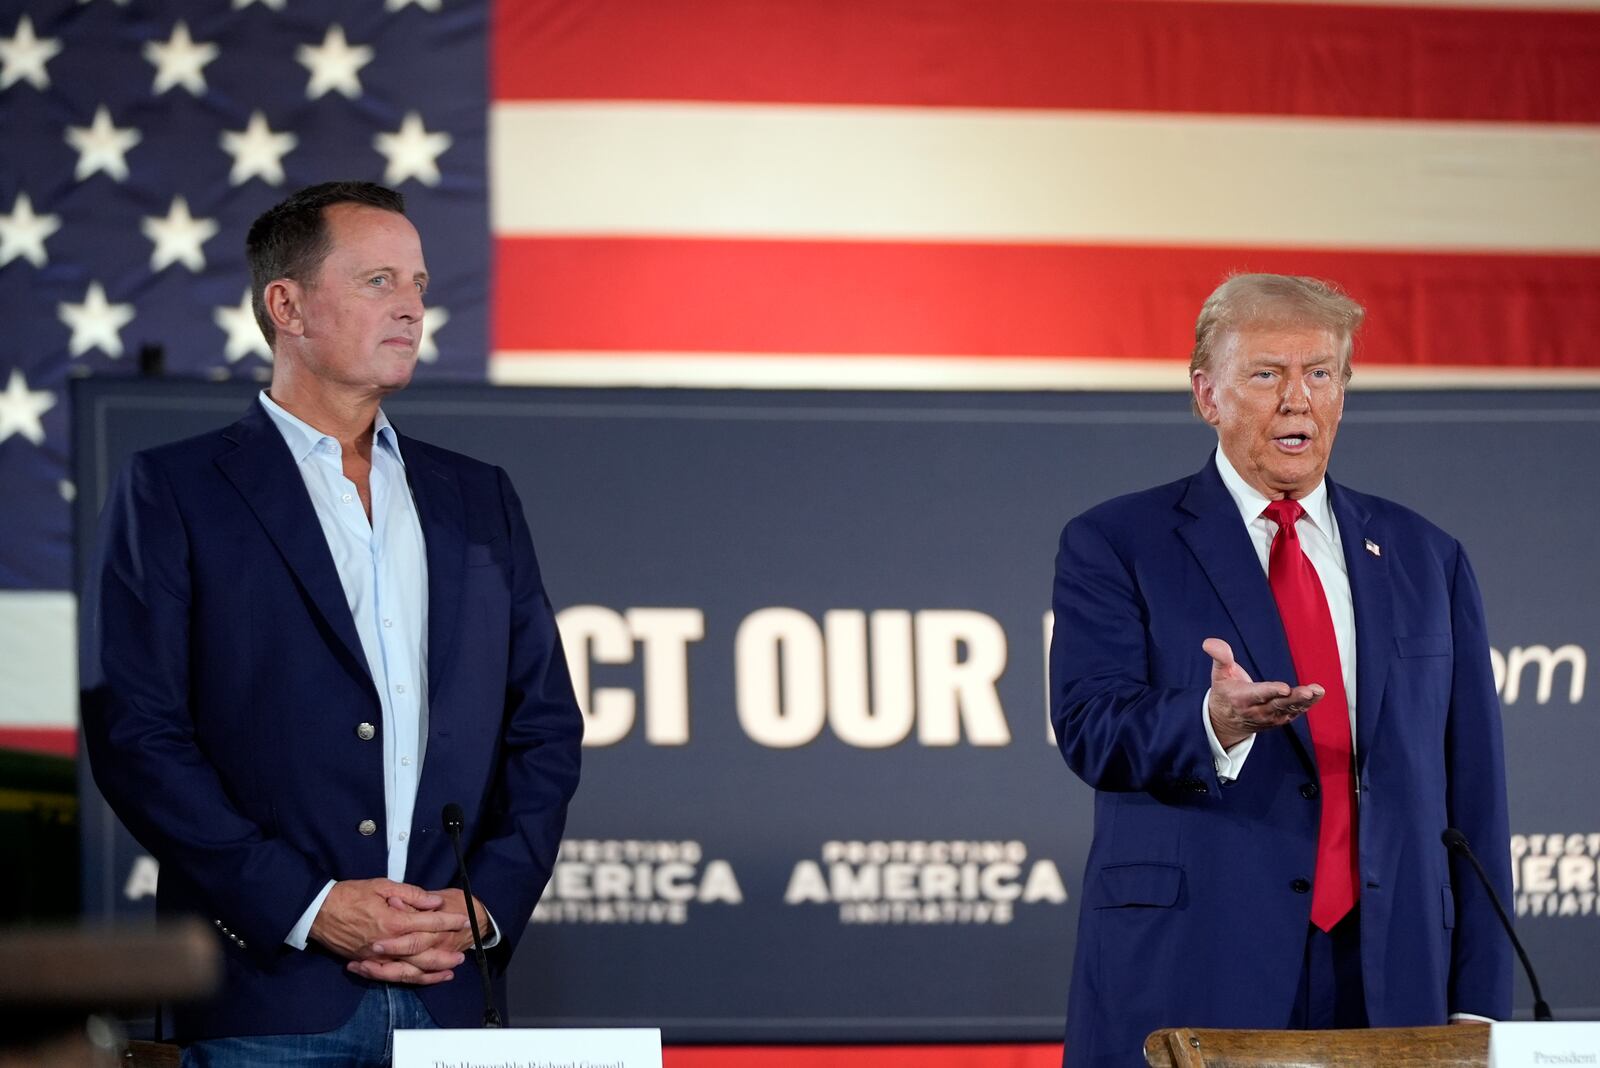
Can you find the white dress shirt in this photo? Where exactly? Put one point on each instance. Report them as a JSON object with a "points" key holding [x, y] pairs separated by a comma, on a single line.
{"points": [[1319, 538]]}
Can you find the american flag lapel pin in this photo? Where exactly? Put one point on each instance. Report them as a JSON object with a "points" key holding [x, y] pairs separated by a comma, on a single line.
{"points": [[1373, 548]]}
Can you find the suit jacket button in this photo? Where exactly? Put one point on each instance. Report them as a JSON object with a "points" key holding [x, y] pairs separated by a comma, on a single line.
{"points": [[367, 827], [1300, 886], [366, 732], [1308, 790]]}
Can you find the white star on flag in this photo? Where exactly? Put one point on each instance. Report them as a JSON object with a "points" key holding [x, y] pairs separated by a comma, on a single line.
{"points": [[244, 336], [257, 152], [22, 233], [178, 237], [96, 323], [433, 320], [240, 5], [101, 146], [180, 60], [334, 64], [412, 151], [23, 56], [119, 3], [20, 409], [396, 5]]}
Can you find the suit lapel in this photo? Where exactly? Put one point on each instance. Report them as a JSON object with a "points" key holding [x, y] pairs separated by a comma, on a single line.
{"points": [[1373, 597], [439, 510], [262, 469], [1222, 546]]}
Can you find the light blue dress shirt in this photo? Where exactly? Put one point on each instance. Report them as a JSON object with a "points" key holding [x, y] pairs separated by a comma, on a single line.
{"points": [[383, 567]]}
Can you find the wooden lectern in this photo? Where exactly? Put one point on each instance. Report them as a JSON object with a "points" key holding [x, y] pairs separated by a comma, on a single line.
{"points": [[1455, 1046]]}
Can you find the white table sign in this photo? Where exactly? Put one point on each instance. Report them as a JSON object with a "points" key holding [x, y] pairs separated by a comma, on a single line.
{"points": [[1544, 1045], [529, 1047]]}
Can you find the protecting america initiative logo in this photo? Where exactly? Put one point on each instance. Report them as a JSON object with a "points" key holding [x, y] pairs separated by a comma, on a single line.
{"points": [[925, 882], [628, 881], [1553, 875]]}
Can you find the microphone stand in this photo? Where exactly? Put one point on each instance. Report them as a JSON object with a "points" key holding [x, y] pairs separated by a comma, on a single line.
{"points": [[454, 819], [1456, 842]]}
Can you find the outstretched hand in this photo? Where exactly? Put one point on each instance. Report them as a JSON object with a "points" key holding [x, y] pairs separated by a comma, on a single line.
{"points": [[1240, 707]]}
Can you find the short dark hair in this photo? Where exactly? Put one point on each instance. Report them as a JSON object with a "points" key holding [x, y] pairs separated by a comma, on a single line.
{"points": [[290, 239]]}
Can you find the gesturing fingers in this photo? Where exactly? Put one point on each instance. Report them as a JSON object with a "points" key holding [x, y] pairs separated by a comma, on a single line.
{"points": [[1238, 710], [1296, 702], [1270, 705], [1223, 666]]}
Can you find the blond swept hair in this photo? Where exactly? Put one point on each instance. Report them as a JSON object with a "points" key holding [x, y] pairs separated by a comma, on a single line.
{"points": [[1279, 301]]}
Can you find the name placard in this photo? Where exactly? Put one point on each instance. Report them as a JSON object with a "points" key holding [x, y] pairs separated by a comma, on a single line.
{"points": [[529, 1047], [1544, 1045]]}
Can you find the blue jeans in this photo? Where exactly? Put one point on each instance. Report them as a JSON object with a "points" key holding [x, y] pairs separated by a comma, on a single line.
{"points": [[366, 1040]]}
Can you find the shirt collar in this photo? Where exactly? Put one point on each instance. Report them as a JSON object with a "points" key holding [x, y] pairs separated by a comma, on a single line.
{"points": [[302, 438], [1251, 503]]}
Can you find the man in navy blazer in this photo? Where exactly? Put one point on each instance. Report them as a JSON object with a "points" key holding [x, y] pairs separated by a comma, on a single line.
{"points": [[304, 636], [1174, 693]]}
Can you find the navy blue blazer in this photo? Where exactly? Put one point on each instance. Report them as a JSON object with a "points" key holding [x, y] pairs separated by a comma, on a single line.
{"points": [[223, 683], [1193, 910]]}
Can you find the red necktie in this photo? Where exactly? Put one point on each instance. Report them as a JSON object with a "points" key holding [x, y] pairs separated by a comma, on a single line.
{"points": [[1309, 627]]}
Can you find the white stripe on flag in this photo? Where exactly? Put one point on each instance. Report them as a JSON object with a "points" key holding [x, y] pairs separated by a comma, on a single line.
{"points": [[752, 370], [990, 175], [38, 658]]}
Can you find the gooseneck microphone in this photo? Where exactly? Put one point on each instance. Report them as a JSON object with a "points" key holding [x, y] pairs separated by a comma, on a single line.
{"points": [[454, 821], [1456, 842]]}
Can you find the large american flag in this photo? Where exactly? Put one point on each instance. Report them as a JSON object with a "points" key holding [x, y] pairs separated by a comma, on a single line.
{"points": [[839, 193]]}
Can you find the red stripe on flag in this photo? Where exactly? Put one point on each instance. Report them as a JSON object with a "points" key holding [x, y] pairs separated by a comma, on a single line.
{"points": [[1162, 55], [62, 741], [976, 1056], [690, 295]]}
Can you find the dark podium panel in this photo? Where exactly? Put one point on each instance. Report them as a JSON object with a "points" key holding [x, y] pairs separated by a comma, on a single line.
{"points": [[820, 801]]}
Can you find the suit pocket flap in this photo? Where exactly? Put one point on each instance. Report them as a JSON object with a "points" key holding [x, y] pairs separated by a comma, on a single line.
{"points": [[1155, 885], [1422, 644]]}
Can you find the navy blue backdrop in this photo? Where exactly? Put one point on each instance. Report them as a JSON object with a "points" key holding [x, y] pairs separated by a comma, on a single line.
{"points": [[820, 802]]}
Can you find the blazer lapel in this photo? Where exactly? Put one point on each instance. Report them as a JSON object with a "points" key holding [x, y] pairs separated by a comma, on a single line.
{"points": [[262, 469], [1373, 596], [439, 509], [1222, 546]]}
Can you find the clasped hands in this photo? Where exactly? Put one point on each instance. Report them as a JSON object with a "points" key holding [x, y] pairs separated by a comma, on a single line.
{"points": [[1240, 706], [396, 932]]}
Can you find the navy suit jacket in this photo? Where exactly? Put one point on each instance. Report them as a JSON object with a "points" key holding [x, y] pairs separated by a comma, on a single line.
{"points": [[224, 682], [1193, 910]]}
